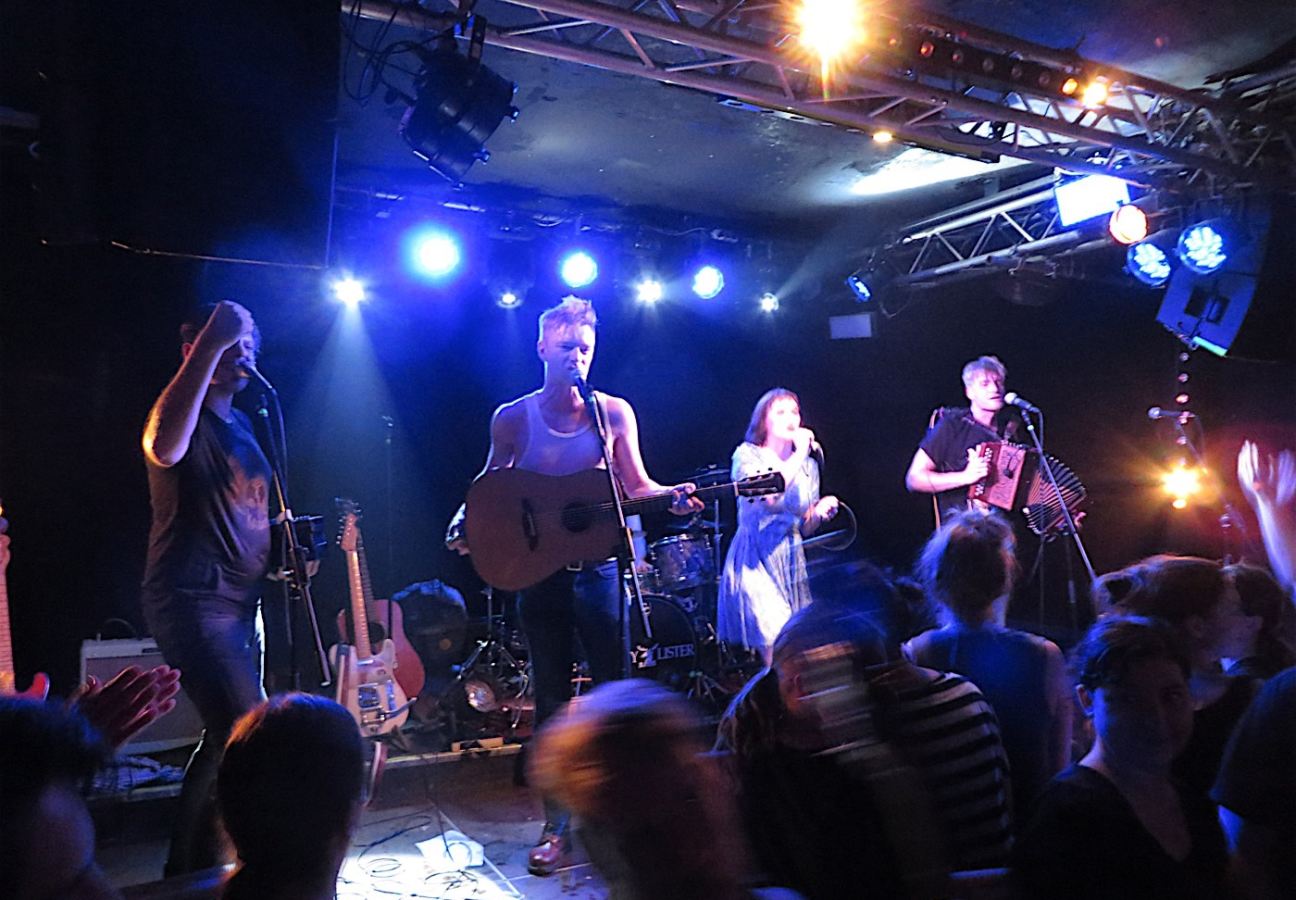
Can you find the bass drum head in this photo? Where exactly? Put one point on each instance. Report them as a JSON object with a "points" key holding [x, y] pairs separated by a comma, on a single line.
{"points": [[670, 656]]}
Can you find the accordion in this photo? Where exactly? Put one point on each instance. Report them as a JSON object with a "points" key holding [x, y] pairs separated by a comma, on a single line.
{"points": [[1016, 481]]}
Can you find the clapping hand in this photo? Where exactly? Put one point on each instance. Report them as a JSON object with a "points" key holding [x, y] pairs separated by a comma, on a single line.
{"points": [[128, 702]]}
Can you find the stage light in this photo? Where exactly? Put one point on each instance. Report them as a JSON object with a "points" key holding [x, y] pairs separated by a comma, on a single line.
{"points": [[434, 253], [1204, 247], [769, 302], [509, 300], [1128, 224], [1070, 86], [708, 281], [578, 269], [1148, 263], [649, 291], [829, 27], [883, 137], [859, 287], [1182, 483], [1087, 197], [460, 103], [349, 291], [1095, 93]]}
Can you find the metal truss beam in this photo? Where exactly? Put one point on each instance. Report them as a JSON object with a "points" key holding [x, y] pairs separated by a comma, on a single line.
{"points": [[1147, 132]]}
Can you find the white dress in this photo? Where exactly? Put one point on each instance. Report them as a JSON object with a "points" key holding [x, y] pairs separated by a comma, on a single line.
{"points": [[764, 580]]}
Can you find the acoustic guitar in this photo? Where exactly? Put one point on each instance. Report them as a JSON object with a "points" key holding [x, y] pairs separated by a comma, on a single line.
{"points": [[40, 685], [522, 527], [366, 672]]}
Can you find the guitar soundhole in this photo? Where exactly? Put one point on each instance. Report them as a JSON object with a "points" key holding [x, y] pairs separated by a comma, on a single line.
{"points": [[576, 518]]}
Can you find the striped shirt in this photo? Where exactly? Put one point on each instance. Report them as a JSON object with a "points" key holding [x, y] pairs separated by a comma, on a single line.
{"points": [[946, 730]]}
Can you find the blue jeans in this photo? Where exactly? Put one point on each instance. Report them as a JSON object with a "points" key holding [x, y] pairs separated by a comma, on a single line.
{"points": [[216, 645], [567, 604]]}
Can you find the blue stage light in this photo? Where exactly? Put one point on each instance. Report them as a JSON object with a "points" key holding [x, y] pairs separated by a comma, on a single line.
{"points": [[434, 253], [509, 300], [1148, 262], [349, 291], [708, 281], [769, 302], [578, 269], [1204, 247], [859, 287]]}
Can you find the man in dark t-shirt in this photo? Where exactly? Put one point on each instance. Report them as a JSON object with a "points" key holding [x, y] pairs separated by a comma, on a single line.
{"points": [[209, 548], [946, 462]]}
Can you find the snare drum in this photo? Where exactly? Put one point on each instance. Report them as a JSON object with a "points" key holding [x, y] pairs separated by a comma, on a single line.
{"points": [[682, 561]]}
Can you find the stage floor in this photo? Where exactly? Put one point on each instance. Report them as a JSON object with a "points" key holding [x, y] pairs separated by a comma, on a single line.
{"points": [[473, 792]]}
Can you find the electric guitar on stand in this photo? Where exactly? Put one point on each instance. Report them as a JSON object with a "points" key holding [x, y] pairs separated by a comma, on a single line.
{"points": [[40, 684], [366, 679]]}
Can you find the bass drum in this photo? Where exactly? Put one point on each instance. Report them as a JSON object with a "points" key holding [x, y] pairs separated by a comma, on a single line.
{"points": [[670, 656], [682, 562]]}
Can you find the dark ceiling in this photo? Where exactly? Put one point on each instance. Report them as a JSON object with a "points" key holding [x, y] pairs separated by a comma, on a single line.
{"points": [[589, 133]]}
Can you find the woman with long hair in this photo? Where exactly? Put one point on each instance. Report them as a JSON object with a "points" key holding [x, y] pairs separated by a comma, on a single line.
{"points": [[764, 580]]}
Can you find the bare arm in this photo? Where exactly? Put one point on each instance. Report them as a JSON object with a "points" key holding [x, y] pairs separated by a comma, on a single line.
{"points": [[1269, 484], [923, 478], [173, 418], [1060, 711], [627, 461]]}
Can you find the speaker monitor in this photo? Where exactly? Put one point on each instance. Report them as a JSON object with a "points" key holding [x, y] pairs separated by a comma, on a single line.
{"points": [[1243, 310], [179, 728]]}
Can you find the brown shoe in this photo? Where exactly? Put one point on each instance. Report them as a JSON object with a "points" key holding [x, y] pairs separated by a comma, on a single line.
{"points": [[545, 857]]}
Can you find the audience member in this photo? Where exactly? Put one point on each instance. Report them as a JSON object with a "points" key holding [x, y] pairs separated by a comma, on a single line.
{"points": [[1257, 791], [130, 701], [47, 841], [825, 798], [939, 722], [1274, 648], [1198, 600], [289, 794], [654, 812], [968, 568], [1117, 824]]}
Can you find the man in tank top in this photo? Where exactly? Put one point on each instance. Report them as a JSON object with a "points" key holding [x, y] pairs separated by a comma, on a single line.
{"points": [[549, 431]]}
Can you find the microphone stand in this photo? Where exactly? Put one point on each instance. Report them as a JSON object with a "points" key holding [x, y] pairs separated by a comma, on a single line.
{"points": [[1066, 512], [628, 557], [296, 581]]}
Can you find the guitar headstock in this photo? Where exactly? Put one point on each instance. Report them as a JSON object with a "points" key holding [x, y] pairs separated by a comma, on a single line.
{"points": [[761, 484], [349, 515]]}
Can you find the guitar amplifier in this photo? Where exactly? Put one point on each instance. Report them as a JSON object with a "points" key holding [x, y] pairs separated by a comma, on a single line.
{"points": [[179, 728]]}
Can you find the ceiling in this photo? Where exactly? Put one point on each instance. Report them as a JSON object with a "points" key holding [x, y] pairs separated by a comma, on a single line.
{"points": [[594, 137]]}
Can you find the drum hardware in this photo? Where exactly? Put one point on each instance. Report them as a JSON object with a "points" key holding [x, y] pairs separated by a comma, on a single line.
{"points": [[492, 681]]}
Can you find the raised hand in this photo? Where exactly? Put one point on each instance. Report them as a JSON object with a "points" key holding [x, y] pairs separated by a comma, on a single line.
{"points": [[228, 322], [1266, 479], [132, 699]]}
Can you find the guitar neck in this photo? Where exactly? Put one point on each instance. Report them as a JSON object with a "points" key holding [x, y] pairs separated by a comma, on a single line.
{"points": [[6, 643], [358, 582], [662, 501]]}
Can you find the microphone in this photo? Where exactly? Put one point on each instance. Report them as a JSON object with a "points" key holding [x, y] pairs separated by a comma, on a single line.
{"points": [[1012, 398], [582, 386], [246, 368], [1157, 412]]}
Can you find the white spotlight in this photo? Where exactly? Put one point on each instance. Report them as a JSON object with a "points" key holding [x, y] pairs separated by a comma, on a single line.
{"points": [[349, 291], [649, 291], [769, 302]]}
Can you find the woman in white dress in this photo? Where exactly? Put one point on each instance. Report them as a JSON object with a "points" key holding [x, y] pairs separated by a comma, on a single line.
{"points": [[764, 579]]}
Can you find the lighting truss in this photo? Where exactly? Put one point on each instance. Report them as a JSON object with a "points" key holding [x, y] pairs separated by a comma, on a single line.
{"points": [[744, 50]]}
